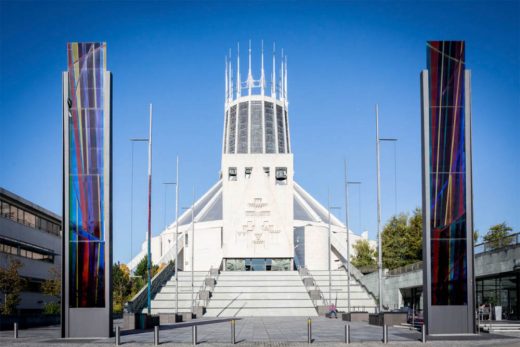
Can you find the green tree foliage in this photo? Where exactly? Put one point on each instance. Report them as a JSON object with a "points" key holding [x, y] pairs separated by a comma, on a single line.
{"points": [[497, 236], [365, 255], [141, 270], [402, 240], [52, 287], [125, 287], [121, 285], [11, 284]]}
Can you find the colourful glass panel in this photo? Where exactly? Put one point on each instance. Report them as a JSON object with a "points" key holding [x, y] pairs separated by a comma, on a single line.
{"points": [[446, 67], [86, 70]]}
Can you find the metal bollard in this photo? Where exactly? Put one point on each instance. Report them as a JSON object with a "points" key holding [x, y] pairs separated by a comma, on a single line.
{"points": [[156, 335], [233, 331], [347, 334], [15, 328], [309, 330], [385, 333], [118, 335], [423, 331], [194, 335]]}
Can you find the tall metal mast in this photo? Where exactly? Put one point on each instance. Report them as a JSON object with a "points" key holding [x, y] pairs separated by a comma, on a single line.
{"points": [[149, 234], [379, 247]]}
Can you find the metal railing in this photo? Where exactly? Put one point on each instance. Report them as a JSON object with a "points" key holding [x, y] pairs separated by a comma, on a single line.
{"points": [[315, 302], [407, 268], [197, 299], [509, 240], [139, 301]]}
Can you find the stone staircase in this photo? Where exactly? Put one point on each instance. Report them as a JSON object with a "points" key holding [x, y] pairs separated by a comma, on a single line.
{"points": [[260, 294], [165, 300], [360, 300]]}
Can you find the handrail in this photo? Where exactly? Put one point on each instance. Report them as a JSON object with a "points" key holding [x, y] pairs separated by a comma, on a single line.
{"points": [[316, 287], [202, 288], [139, 301], [197, 298], [507, 241]]}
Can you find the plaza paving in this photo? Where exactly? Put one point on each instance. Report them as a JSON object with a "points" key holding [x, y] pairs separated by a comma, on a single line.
{"points": [[279, 331]]}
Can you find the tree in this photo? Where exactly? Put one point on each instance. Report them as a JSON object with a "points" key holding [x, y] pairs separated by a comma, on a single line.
{"points": [[141, 269], [11, 284], [402, 240], [52, 287], [365, 255], [122, 286], [497, 236]]}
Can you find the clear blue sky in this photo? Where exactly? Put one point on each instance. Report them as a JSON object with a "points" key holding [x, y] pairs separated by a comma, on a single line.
{"points": [[343, 57]]}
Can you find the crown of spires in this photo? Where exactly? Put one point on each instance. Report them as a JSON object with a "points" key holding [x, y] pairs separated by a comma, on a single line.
{"points": [[233, 89]]}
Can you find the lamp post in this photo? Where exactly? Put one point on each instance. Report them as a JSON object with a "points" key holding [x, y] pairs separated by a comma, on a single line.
{"points": [[132, 141], [379, 243], [330, 248], [149, 234], [192, 245], [348, 234]]}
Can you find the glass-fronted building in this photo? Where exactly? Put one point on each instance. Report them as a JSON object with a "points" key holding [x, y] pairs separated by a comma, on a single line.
{"points": [[31, 235]]}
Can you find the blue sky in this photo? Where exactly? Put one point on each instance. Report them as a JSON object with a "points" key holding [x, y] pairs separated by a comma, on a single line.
{"points": [[343, 57]]}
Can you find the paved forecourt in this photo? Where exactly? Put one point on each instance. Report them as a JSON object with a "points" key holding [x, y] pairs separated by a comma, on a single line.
{"points": [[257, 331]]}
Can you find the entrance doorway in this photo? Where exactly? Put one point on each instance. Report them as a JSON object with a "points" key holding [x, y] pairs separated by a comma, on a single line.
{"points": [[258, 264]]}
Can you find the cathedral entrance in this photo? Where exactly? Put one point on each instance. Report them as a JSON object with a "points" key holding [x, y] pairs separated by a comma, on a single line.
{"points": [[258, 264]]}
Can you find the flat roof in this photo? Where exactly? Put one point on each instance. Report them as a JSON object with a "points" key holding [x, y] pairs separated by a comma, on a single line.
{"points": [[17, 198]]}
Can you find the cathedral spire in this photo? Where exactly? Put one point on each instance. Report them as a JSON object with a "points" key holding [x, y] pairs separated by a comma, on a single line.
{"points": [[249, 73], [239, 84], [273, 80], [262, 74]]}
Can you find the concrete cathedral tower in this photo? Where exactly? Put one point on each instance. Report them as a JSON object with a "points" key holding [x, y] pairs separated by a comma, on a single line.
{"points": [[256, 217], [257, 169]]}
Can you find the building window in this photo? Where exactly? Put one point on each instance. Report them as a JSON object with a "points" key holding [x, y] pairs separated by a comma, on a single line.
{"points": [[248, 172], [270, 142], [281, 175], [23, 250], [21, 216], [232, 174], [186, 239], [267, 171]]}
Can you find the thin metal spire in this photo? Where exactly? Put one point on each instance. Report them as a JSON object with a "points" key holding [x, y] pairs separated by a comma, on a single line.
{"points": [[239, 84], [282, 95], [262, 74], [273, 81], [226, 77], [285, 80], [230, 70], [249, 74]]}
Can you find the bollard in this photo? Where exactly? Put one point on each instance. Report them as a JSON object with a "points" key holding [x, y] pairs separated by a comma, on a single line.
{"points": [[232, 331], [194, 335], [385, 333], [118, 335], [156, 335], [423, 330], [347, 334], [15, 330], [309, 330]]}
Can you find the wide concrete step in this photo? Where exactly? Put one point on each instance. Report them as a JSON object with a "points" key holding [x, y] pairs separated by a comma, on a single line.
{"points": [[256, 296], [219, 288], [168, 310], [171, 289], [262, 312], [344, 296], [173, 296], [184, 283], [260, 303], [259, 273], [353, 302], [259, 283], [170, 304]]}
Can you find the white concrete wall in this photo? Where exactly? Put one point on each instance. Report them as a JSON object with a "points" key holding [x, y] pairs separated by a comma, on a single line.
{"points": [[257, 212]]}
